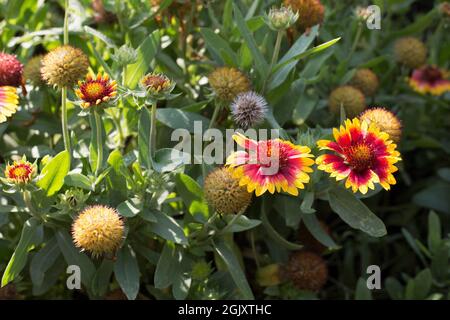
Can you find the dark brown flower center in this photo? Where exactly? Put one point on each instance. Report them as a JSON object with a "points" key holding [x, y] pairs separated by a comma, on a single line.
{"points": [[360, 157]]}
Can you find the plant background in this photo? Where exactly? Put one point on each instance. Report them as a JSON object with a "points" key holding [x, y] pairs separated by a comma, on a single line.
{"points": [[181, 42]]}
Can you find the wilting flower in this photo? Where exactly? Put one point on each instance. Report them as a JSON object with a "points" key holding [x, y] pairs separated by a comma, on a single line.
{"points": [[311, 12], [281, 18], [410, 51], [10, 70], [224, 193], [20, 172], [270, 165], [307, 270], [63, 66], [430, 79], [385, 120], [157, 85], [348, 97], [227, 83], [98, 229], [32, 70], [362, 154], [248, 109], [96, 90], [366, 81], [9, 100]]}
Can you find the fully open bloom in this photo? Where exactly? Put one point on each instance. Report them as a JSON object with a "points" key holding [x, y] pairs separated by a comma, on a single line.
{"points": [[363, 154], [9, 101], [270, 165], [429, 79], [96, 89], [20, 172], [98, 229]]}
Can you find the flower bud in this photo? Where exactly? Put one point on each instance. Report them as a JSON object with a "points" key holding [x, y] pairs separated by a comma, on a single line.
{"points": [[281, 18], [125, 55]]}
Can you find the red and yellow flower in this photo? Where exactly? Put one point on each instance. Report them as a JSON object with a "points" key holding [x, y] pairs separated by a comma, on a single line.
{"points": [[270, 165], [9, 100], [20, 172], [429, 79], [362, 153], [96, 90]]}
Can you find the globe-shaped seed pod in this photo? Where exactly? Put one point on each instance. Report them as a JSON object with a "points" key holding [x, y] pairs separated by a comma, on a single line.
{"points": [[348, 97]]}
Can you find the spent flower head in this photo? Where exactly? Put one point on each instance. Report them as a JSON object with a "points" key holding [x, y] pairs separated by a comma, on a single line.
{"points": [[248, 109], [281, 18]]}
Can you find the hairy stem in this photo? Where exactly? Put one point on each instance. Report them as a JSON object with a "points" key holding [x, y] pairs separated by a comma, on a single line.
{"points": [[65, 127], [152, 139], [98, 125]]}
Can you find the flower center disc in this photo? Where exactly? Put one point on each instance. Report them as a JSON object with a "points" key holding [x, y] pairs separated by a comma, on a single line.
{"points": [[360, 157], [94, 90], [20, 172]]}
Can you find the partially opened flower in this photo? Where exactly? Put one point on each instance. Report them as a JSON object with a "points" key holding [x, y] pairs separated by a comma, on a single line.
{"points": [[10, 70], [96, 90], [98, 229], [20, 172], [270, 165], [362, 154], [9, 100], [157, 85], [430, 79]]}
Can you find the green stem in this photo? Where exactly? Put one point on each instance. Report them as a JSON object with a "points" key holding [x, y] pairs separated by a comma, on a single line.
{"points": [[66, 22], [217, 108], [65, 127], [276, 52], [232, 221], [27, 199], [152, 139], [356, 41], [98, 125]]}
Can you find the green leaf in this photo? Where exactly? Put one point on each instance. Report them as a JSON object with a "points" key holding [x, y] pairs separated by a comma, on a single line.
{"points": [[276, 236], [419, 287], [242, 223], [93, 146], [181, 286], [129, 208], [20, 255], [43, 260], [127, 273], [434, 197], [312, 224], [143, 138], [146, 52], [100, 36], [102, 278], [260, 63], [73, 256], [167, 159], [232, 263], [218, 46], [362, 292], [179, 119], [168, 228], [434, 232], [354, 212], [167, 267], [192, 195], [394, 288], [78, 180], [54, 173]]}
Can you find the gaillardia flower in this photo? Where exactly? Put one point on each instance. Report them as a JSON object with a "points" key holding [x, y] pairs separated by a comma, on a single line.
{"points": [[307, 270], [348, 97], [20, 172], [411, 52], [430, 79], [224, 193], [270, 165], [248, 109], [10, 70], [98, 229], [228, 82], [385, 120], [63, 66], [311, 12], [32, 70], [96, 90], [362, 153], [9, 100], [365, 80], [157, 85]]}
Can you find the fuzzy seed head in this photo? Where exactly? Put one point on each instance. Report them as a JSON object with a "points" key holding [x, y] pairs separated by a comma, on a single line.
{"points": [[385, 120], [10, 70], [224, 193], [98, 229], [307, 270], [366, 81], [248, 109], [348, 97], [411, 52], [227, 83], [311, 12], [32, 70], [63, 66]]}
